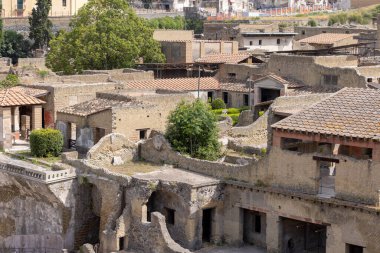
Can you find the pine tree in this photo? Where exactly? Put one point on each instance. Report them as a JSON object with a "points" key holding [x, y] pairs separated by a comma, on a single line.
{"points": [[40, 25]]}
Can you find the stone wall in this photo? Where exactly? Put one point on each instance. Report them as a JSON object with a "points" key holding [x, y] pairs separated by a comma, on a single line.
{"points": [[307, 31], [31, 62]]}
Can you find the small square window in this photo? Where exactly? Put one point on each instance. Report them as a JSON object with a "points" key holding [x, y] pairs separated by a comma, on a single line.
{"points": [[143, 134]]}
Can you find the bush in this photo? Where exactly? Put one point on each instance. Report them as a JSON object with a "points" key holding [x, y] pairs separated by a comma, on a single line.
{"points": [[218, 104], [192, 130], [9, 81], [234, 117], [46, 142], [312, 23]]}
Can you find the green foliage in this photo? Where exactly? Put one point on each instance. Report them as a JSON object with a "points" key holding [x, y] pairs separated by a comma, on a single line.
{"points": [[194, 24], [46, 142], [40, 25], [357, 17], [263, 151], [261, 113], [218, 104], [106, 34], [9, 81], [176, 23], [15, 45], [234, 117], [192, 130], [43, 73], [312, 23]]}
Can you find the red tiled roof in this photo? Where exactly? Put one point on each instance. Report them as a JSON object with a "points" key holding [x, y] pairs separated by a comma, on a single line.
{"points": [[177, 84], [30, 91], [326, 38], [350, 112], [291, 84], [223, 58], [9, 97]]}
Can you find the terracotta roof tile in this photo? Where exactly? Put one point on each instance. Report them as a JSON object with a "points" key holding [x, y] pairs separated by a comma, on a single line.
{"points": [[10, 97], [326, 38], [235, 87], [223, 58], [177, 84], [351, 112], [30, 91]]}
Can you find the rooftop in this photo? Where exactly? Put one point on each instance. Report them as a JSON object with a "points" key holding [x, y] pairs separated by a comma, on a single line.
{"points": [[29, 91], [96, 105], [223, 58], [350, 112], [177, 84], [10, 97], [326, 38]]}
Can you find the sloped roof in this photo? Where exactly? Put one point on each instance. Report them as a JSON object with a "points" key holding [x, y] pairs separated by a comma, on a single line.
{"points": [[291, 84], [350, 112], [223, 58], [10, 97], [326, 38], [177, 84], [235, 87], [94, 106], [30, 91]]}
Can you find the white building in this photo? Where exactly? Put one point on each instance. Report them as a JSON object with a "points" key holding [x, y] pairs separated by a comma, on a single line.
{"points": [[268, 41]]}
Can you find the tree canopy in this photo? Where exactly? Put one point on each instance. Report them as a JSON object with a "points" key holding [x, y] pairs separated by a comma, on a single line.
{"points": [[14, 45], [192, 130], [106, 34], [40, 25]]}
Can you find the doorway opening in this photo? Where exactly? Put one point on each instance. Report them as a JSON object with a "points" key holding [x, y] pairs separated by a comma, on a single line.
{"points": [[207, 224], [254, 228]]}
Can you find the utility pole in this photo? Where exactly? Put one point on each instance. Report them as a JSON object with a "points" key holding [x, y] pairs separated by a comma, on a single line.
{"points": [[199, 79]]}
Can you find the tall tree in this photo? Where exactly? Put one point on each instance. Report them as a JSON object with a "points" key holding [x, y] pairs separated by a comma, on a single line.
{"points": [[40, 25], [106, 34]]}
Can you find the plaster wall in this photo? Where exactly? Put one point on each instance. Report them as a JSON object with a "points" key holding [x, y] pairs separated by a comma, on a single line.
{"points": [[268, 43]]}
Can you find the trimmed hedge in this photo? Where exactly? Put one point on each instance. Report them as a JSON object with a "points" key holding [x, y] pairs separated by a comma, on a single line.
{"points": [[218, 104], [46, 142]]}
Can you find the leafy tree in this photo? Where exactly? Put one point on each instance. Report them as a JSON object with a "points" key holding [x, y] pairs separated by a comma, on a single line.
{"points": [[40, 25], [192, 130], [15, 45], [106, 34]]}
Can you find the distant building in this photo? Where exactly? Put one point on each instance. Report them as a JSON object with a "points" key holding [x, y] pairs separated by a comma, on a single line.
{"points": [[23, 8], [326, 40], [270, 41]]}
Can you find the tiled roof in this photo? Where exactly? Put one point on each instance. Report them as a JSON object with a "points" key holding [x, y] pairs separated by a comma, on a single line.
{"points": [[9, 97], [326, 38], [350, 112], [177, 84], [223, 58], [291, 84], [30, 91], [235, 87], [94, 106]]}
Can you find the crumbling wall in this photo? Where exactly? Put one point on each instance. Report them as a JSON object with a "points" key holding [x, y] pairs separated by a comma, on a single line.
{"points": [[255, 132]]}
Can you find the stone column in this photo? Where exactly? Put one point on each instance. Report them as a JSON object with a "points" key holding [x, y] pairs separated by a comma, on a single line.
{"points": [[5, 128], [36, 117], [273, 233], [16, 119]]}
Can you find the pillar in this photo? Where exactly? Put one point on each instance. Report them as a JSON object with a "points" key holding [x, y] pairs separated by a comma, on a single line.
{"points": [[233, 226], [273, 233], [5, 128], [16, 119], [36, 117]]}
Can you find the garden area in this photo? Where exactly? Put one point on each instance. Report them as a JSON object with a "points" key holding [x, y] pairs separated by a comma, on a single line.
{"points": [[220, 110]]}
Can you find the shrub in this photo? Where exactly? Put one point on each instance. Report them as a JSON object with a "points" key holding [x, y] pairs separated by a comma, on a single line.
{"points": [[9, 81], [46, 142], [43, 73], [312, 23], [261, 113], [192, 130], [234, 117], [233, 111], [218, 104]]}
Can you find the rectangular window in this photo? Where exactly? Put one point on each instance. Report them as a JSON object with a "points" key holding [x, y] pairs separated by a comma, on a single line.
{"points": [[20, 4], [350, 248], [278, 41], [170, 216], [258, 223], [303, 32], [232, 75], [64, 3], [260, 42], [251, 43], [143, 134], [330, 79], [225, 97], [246, 100]]}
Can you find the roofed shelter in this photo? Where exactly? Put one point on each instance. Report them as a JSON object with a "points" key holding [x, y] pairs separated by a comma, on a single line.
{"points": [[19, 114]]}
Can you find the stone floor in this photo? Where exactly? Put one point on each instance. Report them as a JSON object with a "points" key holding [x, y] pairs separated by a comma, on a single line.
{"points": [[226, 249]]}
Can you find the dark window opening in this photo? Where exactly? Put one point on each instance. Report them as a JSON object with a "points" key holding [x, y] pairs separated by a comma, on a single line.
{"points": [[246, 100], [225, 97], [354, 249], [207, 224], [20, 4], [355, 152], [298, 145], [370, 80], [251, 43], [258, 223], [347, 32], [170, 216], [210, 96], [143, 134], [232, 75], [303, 32], [260, 42], [330, 79], [323, 31], [269, 94], [278, 41], [64, 3]]}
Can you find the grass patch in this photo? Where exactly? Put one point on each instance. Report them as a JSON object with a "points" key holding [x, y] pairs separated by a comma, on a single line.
{"points": [[27, 155]]}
